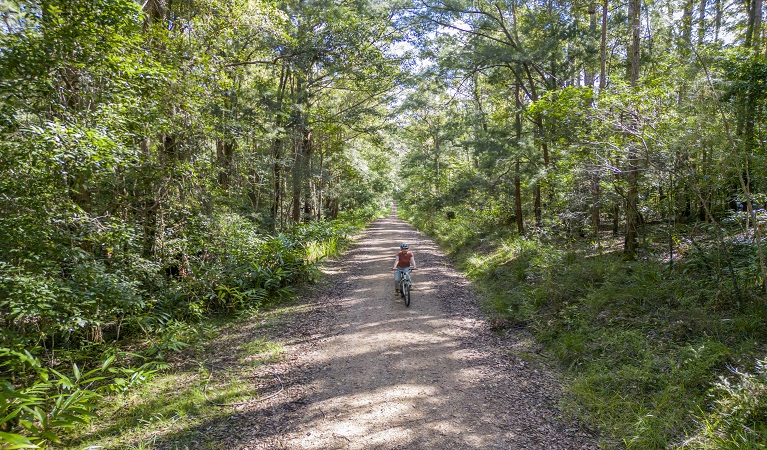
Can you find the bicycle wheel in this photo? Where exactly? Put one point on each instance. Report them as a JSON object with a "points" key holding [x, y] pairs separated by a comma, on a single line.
{"points": [[406, 294], [402, 288]]}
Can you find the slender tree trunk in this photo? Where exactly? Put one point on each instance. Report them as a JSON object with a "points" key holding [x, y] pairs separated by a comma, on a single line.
{"points": [[754, 25], [588, 72], [309, 203], [517, 175], [632, 217], [632, 196], [702, 21], [686, 21], [634, 49], [321, 186], [515, 30], [537, 205], [603, 49], [717, 19], [437, 178], [225, 156], [302, 144], [595, 199], [276, 181], [747, 123], [277, 151], [757, 23], [297, 180], [254, 190], [518, 200]]}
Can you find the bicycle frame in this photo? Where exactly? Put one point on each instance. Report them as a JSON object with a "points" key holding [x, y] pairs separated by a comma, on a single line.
{"points": [[404, 284], [405, 271]]}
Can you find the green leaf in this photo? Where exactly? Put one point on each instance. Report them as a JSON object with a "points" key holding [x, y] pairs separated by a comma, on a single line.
{"points": [[64, 380], [108, 362], [10, 416], [17, 441], [51, 436], [76, 371]]}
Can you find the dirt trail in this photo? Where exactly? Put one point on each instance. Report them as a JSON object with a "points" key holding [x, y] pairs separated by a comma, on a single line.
{"points": [[376, 374]]}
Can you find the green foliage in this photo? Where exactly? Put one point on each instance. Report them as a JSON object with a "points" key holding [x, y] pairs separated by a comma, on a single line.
{"points": [[526, 128], [643, 344], [53, 401], [227, 265], [40, 414], [738, 417], [142, 167]]}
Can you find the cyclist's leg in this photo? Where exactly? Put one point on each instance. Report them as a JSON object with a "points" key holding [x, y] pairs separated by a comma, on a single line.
{"points": [[397, 279]]}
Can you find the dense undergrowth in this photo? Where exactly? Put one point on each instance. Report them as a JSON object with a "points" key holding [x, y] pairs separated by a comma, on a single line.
{"points": [[91, 324], [658, 355]]}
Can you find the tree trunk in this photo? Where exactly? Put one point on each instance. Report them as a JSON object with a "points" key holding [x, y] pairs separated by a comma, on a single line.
{"points": [[545, 152], [595, 199], [686, 22], [634, 48], [225, 155], [517, 175], [437, 180], [302, 143], [757, 23], [309, 189], [537, 206], [632, 196], [717, 20], [321, 186], [297, 181], [588, 74], [277, 143], [701, 21], [754, 25], [518, 201], [277, 181], [603, 49], [154, 11], [254, 190], [632, 216]]}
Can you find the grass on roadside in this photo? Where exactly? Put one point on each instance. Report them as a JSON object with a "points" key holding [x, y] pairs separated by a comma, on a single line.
{"points": [[650, 351], [204, 385]]}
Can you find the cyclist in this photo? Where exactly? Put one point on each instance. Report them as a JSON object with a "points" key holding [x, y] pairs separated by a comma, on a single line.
{"points": [[404, 261]]}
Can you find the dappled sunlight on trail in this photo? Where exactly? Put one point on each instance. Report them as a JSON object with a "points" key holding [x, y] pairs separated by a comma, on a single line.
{"points": [[397, 377], [371, 373]]}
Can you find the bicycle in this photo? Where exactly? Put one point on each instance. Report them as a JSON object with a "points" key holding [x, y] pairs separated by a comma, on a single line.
{"points": [[404, 284]]}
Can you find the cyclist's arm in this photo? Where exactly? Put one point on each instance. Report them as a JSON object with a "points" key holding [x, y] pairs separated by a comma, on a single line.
{"points": [[412, 262]]}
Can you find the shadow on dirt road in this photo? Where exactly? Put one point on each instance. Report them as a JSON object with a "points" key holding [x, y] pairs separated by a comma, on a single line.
{"points": [[376, 374]]}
